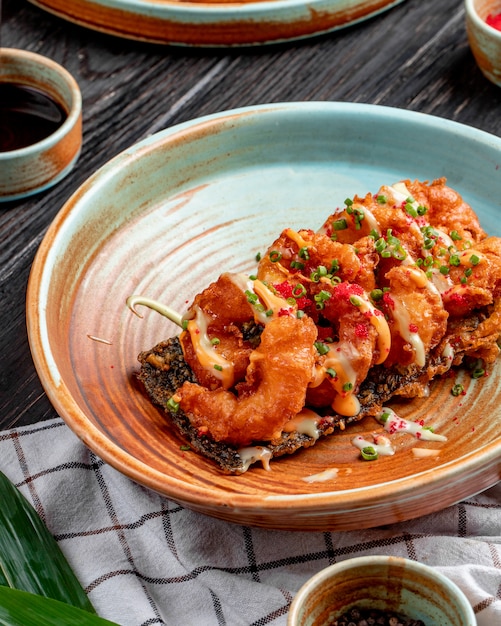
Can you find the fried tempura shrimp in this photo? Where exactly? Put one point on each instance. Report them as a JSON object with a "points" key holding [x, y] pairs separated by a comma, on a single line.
{"points": [[359, 338], [215, 319], [417, 318], [303, 253], [274, 390], [446, 208]]}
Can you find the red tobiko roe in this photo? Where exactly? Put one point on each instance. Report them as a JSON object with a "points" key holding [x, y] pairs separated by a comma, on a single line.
{"points": [[494, 21]]}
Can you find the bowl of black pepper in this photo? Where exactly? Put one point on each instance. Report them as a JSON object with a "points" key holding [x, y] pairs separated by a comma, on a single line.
{"points": [[380, 591]]}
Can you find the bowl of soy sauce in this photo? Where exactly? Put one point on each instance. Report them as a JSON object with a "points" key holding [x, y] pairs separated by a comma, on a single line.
{"points": [[40, 123]]}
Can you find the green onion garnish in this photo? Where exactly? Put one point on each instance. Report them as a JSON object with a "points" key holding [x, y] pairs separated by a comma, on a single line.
{"points": [[369, 453]]}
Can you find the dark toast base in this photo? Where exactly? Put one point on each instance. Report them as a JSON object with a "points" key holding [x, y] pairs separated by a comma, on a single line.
{"points": [[163, 371]]}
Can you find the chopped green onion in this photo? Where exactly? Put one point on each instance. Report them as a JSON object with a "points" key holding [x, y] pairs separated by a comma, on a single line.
{"points": [[478, 373], [304, 253], [321, 347], [218, 367], [297, 265], [185, 447], [275, 256], [347, 386], [251, 297], [340, 224], [334, 266], [455, 236], [299, 291], [331, 372], [410, 210], [376, 294], [184, 325], [381, 199], [215, 341], [474, 259], [384, 417], [369, 453], [258, 256], [172, 405], [355, 300]]}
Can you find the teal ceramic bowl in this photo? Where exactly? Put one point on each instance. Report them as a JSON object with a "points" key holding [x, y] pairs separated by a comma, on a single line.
{"points": [[485, 40], [36, 167], [165, 218], [384, 583]]}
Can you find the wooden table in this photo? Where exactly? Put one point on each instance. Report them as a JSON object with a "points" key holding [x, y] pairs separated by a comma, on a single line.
{"points": [[415, 56]]}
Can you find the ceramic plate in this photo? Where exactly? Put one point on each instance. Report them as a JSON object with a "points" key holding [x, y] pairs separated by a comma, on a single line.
{"points": [[165, 218], [213, 23]]}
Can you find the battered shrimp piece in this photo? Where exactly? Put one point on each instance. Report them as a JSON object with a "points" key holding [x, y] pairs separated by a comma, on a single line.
{"points": [[381, 216], [217, 315], [302, 252], [360, 338], [446, 208], [274, 391], [475, 277], [417, 318]]}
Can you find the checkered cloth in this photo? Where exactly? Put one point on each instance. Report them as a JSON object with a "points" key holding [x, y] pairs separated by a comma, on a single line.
{"points": [[145, 560]]}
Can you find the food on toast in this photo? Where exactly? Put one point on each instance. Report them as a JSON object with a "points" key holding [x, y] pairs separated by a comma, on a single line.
{"points": [[389, 293]]}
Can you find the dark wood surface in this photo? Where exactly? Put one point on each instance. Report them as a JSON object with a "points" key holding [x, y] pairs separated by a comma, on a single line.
{"points": [[415, 56]]}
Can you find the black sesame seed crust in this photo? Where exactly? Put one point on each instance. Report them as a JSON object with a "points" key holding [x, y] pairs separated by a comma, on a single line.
{"points": [[163, 371]]}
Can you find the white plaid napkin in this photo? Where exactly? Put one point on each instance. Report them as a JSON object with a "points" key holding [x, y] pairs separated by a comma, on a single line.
{"points": [[145, 560]]}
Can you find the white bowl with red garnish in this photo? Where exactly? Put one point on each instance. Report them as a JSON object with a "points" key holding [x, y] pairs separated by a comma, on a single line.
{"points": [[483, 25]]}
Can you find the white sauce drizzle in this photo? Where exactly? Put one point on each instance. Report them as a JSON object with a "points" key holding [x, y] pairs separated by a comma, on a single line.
{"points": [[380, 443], [268, 301], [305, 423], [393, 423], [322, 477], [252, 454], [448, 355], [422, 453], [402, 319], [208, 357]]}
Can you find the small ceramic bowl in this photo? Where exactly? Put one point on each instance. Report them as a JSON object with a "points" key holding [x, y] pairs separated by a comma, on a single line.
{"points": [[28, 170], [485, 40], [384, 583]]}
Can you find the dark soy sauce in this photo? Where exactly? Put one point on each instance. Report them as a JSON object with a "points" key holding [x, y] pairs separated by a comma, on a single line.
{"points": [[27, 115]]}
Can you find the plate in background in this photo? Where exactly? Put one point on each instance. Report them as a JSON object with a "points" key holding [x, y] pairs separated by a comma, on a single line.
{"points": [[192, 23], [165, 218]]}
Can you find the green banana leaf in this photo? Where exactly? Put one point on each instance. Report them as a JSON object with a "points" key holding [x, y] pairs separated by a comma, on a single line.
{"points": [[19, 608], [30, 558]]}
